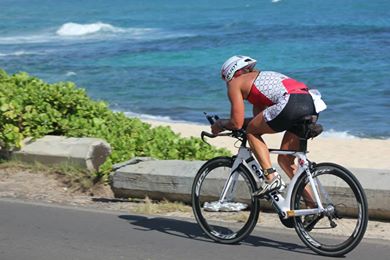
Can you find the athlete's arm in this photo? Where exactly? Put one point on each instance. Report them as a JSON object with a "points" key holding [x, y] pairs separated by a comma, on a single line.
{"points": [[237, 111]]}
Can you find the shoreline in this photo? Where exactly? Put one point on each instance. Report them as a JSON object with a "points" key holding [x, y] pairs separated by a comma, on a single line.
{"points": [[166, 120], [363, 153]]}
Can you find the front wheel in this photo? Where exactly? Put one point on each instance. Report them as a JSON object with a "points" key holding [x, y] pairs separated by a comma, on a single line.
{"points": [[346, 211], [230, 216]]}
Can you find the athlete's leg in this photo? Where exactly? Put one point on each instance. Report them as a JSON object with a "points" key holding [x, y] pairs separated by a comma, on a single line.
{"points": [[287, 163], [290, 142], [257, 127]]}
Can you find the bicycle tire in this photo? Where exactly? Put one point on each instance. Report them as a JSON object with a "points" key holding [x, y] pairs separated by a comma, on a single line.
{"points": [[216, 226], [357, 213]]}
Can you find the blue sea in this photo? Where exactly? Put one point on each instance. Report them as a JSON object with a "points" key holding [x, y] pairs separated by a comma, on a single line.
{"points": [[161, 59]]}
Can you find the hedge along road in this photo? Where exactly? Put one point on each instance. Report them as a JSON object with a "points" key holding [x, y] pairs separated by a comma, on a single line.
{"points": [[41, 231]]}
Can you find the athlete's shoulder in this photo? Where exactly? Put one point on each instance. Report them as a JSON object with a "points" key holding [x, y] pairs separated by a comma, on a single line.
{"points": [[275, 74], [272, 75]]}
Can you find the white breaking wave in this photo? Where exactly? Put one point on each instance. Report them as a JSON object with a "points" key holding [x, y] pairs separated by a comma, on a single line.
{"points": [[105, 30], [76, 29], [166, 119], [28, 39], [70, 73], [89, 32], [346, 135], [332, 133], [19, 53]]}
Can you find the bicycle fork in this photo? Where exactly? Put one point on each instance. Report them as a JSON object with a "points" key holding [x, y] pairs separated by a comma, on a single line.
{"points": [[229, 187]]}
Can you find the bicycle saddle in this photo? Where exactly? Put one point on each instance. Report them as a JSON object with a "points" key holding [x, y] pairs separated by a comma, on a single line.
{"points": [[308, 127]]}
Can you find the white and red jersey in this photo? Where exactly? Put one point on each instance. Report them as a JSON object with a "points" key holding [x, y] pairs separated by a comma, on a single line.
{"points": [[270, 88]]}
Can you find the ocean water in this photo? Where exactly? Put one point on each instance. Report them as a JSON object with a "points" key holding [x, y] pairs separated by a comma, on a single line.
{"points": [[161, 59]]}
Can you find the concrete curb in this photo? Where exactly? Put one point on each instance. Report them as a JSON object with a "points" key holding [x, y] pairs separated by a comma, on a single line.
{"points": [[85, 153], [172, 180]]}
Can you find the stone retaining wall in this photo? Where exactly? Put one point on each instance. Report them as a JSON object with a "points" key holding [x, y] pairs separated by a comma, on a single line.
{"points": [[85, 153], [172, 180]]}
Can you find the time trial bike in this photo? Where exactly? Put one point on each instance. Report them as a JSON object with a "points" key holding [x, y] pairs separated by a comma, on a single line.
{"points": [[319, 200]]}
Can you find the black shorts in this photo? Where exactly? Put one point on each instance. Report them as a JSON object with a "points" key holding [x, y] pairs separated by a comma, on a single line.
{"points": [[298, 106]]}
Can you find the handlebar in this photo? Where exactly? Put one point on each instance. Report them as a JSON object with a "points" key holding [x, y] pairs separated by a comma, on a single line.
{"points": [[239, 134]]}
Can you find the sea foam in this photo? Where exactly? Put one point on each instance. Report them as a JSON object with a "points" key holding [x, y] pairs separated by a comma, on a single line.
{"points": [[70, 73], [76, 29], [338, 134], [92, 31], [165, 119], [18, 53]]}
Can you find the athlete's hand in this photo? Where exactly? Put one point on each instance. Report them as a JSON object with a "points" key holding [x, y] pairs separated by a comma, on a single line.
{"points": [[217, 127]]}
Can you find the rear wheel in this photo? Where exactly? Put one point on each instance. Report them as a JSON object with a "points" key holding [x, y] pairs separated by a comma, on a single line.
{"points": [[346, 212], [231, 220]]}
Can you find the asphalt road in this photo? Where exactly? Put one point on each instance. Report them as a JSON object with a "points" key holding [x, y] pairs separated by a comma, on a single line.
{"points": [[38, 231]]}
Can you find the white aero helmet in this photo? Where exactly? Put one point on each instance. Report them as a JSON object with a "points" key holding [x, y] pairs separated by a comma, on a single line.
{"points": [[235, 63]]}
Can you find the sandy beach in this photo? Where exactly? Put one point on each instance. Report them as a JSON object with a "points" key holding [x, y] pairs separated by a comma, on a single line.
{"points": [[349, 152]]}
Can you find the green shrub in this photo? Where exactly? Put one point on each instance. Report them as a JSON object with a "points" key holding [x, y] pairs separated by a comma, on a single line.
{"points": [[30, 107]]}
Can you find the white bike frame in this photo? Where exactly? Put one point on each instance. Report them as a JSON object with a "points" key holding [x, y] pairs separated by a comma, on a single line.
{"points": [[282, 204]]}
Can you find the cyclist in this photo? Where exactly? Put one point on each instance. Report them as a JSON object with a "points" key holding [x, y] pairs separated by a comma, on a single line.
{"points": [[278, 101]]}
